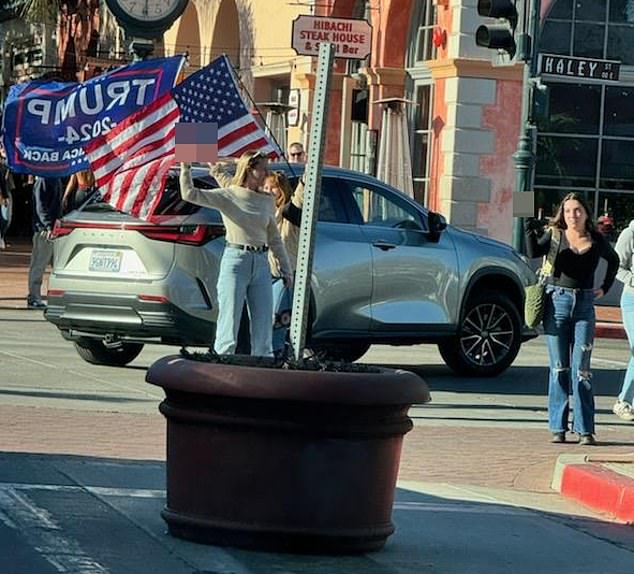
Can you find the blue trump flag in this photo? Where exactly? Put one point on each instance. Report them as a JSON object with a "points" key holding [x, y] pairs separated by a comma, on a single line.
{"points": [[46, 125]]}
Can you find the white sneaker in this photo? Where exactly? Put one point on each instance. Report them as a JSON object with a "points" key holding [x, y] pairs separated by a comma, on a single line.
{"points": [[3, 245], [623, 410]]}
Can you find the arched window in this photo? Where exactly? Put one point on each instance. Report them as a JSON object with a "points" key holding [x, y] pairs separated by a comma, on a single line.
{"points": [[585, 139]]}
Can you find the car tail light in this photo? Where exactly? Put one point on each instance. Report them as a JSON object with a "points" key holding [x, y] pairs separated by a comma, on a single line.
{"points": [[188, 234], [61, 229], [55, 293], [154, 298]]}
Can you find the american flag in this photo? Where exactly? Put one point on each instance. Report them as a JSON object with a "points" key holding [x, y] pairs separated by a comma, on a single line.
{"points": [[131, 161]]}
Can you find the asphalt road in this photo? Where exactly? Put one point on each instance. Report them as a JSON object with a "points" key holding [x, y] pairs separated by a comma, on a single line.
{"points": [[100, 514], [39, 368]]}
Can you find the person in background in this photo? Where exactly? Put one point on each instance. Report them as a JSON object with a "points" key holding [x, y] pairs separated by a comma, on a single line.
{"points": [[296, 153], [79, 188], [278, 185], [625, 249], [569, 316], [47, 209], [4, 198], [249, 219], [605, 226]]}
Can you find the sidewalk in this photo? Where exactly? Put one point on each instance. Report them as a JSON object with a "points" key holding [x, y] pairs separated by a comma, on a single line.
{"points": [[609, 323], [14, 272]]}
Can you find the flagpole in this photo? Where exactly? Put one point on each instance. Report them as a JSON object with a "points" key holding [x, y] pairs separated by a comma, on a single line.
{"points": [[271, 134]]}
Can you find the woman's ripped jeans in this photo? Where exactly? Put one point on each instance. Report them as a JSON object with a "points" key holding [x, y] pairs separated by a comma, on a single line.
{"points": [[569, 328]]}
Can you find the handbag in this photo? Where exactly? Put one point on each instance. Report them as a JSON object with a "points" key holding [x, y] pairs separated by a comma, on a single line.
{"points": [[535, 295]]}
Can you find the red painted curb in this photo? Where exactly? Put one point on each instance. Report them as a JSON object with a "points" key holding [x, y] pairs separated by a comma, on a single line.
{"points": [[610, 331], [601, 489]]}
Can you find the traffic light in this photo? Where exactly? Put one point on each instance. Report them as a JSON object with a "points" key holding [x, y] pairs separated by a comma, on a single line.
{"points": [[498, 36]]}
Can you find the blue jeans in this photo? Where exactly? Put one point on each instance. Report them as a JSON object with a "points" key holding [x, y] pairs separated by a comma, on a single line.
{"points": [[244, 275], [569, 327], [282, 306], [627, 311]]}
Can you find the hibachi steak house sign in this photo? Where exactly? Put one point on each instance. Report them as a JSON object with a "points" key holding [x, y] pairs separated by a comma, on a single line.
{"points": [[588, 68], [352, 38]]}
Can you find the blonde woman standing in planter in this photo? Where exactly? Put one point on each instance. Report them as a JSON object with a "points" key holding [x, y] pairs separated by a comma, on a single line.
{"points": [[625, 250], [249, 218], [569, 317]]}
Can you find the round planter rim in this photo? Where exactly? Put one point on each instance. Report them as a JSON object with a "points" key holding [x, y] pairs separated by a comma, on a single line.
{"points": [[387, 387]]}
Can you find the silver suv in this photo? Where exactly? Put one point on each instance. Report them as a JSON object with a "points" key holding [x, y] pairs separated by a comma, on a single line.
{"points": [[386, 271]]}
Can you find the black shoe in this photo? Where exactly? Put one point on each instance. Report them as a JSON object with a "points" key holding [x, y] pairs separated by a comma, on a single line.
{"points": [[587, 440], [558, 437], [33, 303]]}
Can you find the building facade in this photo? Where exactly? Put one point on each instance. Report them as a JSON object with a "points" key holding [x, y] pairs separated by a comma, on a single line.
{"points": [[459, 113], [462, 113]]}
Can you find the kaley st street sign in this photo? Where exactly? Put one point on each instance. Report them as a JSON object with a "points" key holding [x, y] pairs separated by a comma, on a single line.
{"points": [[579, 68], [352, 38]]}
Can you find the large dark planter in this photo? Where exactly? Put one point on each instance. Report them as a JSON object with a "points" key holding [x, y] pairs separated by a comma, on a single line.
{"points": [[284, 460]]}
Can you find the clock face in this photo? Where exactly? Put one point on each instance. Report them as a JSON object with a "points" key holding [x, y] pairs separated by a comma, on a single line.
{"points": [[148, 10]]}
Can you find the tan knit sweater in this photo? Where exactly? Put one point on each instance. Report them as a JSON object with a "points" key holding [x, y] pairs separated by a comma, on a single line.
{"points": [[248, 216], [288, 232]]}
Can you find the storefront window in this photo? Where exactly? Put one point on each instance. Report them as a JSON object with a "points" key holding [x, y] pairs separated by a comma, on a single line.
{"points": [[619, 112], [586, 142], [562, 9], [622, 11], [617, 168], [593, 10], [620, 42], [589, 40], [557, 36], [566, 161], [573, 108]]}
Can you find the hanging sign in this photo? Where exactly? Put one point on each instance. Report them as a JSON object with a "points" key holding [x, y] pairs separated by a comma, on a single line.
{"points": [[579, 68], [351, 37]]}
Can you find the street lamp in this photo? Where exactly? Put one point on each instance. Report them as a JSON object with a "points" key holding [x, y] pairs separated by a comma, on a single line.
{"points": [[524, 157]]}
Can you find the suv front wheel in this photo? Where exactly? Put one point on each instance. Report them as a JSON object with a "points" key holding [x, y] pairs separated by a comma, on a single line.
{"points": [[489, 337], [94, 351]]}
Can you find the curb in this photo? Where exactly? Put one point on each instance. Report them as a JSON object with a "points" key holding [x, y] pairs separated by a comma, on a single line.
{"points": [[610, 331], [584, 478]]}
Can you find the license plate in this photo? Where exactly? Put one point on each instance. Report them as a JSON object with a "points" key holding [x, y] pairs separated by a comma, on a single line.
{"points": [[105, 261]]}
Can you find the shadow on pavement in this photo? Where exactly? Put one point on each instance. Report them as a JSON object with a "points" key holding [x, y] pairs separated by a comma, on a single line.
{"points": [[605, 382], [71, 396], [63, 511], [25, 320]]}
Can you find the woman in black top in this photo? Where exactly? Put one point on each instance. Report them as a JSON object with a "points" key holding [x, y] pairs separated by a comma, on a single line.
{"points": [[569, 317]]}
